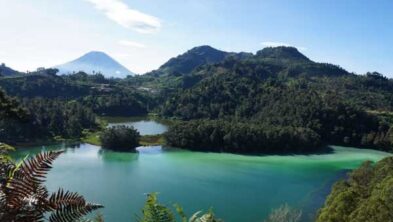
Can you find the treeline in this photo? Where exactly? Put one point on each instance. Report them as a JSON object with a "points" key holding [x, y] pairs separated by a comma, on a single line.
{"points": [[117, 104], [236, 137], [280, 87], [45, 84], [367, 195], [273, 103], [104, 96], [47, 118]]}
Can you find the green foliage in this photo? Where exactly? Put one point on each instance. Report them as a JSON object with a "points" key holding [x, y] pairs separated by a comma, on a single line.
{"points": [[48, 118], [152, 140], [190, 60], [4, 150], [120, 138], [9, 108], [236, 137], [156, 212], [365, 196], [282, 88], [117, 104], [103, 96]]}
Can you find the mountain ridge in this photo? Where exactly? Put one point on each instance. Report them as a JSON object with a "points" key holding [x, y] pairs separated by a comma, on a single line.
{"points": [[193, 58], [7, 71]]}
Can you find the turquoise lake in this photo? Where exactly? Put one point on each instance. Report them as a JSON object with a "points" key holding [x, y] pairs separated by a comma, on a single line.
{"points": [[239, 188]]}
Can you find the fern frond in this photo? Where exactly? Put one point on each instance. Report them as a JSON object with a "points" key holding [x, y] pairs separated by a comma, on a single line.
{"points": [[180, 212], [24, 198], [73, 212], [28, 178], [155, 212], [69, 206]]}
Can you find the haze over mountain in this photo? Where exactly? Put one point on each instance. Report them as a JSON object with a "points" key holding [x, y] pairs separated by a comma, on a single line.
{"points": [[96, 62]]}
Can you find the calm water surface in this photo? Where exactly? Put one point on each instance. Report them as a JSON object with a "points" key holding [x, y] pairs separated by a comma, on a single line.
{"points": [[145, 126], [239, 188]]}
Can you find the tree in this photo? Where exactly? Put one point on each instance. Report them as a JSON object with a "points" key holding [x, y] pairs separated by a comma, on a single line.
{"points": [[367, 195], [120, 138]]}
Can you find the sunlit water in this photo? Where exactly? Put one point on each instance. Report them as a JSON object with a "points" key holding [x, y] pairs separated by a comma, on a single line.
{"points": [[239, 188]]}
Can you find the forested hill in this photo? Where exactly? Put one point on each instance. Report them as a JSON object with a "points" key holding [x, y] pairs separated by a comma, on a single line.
{"points": [[194, 58], [276, 93], [272, 78], [7, 71], [280, 87], [103, 96], [366, 195]]}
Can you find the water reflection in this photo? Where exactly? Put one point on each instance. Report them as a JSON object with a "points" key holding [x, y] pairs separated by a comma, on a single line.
{"points": [[227, 181], [150, 149], [112, 156]]}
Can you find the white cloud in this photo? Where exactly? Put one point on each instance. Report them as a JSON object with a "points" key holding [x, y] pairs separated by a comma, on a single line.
{"points": [[131, 44], [119, 12], [276, 44]]}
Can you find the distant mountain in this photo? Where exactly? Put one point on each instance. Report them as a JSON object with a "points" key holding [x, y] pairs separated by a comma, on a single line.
{"points": [[195, 57], [6, 71], [95, 62]]}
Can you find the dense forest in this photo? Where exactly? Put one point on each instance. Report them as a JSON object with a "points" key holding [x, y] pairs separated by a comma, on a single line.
{"points": [[45, 119], [103, 96], [120, 138], [241, 137], [277, 91], [281, 88], [276, 101], [367, 195]]}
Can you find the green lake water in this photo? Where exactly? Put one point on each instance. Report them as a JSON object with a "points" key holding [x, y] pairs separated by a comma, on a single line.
{"points": [[239, 188]]}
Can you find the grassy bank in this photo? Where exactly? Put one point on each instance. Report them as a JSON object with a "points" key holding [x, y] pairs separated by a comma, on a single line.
{"points": [[92, 138], [152, 140]]}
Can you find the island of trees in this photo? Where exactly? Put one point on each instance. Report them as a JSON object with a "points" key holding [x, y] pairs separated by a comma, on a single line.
{"points": [[120, 138], [276, 101]]}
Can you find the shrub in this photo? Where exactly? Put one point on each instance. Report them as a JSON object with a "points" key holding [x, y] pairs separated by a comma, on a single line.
{"points": [[121, 138]]}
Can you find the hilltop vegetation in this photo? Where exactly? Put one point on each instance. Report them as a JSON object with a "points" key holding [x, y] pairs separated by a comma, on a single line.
{"points": [[367, 195], [277, 90], [45, 119], [281, 88], [103, 96]]}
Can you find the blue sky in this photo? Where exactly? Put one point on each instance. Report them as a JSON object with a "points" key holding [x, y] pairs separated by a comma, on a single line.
{"points": [[143, 34]]}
